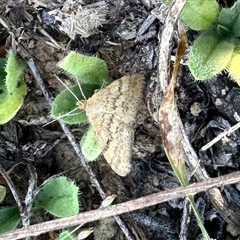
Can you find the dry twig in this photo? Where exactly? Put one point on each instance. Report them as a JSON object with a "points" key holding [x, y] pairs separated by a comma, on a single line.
{"points": [[121, 208], [220, 136]]}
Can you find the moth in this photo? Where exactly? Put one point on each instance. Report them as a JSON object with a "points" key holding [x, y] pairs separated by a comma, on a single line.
{"points": [[112, 114]]}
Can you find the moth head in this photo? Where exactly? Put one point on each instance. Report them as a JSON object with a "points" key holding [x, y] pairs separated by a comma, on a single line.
{"points": [[82, 104]]}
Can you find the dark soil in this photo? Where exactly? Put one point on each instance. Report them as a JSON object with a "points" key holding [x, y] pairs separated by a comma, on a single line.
{"points": [[206, 109]]}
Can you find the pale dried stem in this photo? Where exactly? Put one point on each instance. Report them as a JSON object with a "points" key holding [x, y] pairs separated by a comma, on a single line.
{"points": [[220, 136], [121, 208], [26, 205], [165, 37], [191, 158]]}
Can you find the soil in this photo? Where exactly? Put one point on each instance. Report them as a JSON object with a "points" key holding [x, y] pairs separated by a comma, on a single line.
{"points": [[206, 109]]}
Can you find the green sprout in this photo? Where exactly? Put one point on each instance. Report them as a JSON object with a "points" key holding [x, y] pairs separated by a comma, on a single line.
{"points": [[90, 146], [13, 89], [9, 219], [217, 47], [58, 196]]}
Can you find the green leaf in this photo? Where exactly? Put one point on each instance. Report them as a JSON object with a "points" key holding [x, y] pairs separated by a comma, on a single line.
{"points": [[234, 65], [199, 14], [2, 73], [13, 89], [90, 146], [229, 20], [210, 54], [59, 196], [9, 219], [2, 193], [14, 69], [65, 103], [10, 104], [90, 70]]}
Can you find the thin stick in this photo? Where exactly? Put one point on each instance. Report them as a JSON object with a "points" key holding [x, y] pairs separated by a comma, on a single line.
{"points": [[164, 55], [121, 208], [13, 191], [164, 43], [26, 206], [220, 136]]}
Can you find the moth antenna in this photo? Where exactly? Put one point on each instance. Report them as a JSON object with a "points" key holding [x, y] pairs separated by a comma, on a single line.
{"points": [[67, 88], [103, 84], [64, 115], [80, 88]]}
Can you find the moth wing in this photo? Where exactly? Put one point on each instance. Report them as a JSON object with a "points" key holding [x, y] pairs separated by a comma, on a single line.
{"points": [[112, 114]]}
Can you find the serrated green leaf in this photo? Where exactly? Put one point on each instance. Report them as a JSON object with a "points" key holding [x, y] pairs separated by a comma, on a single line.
{"points": [[210, 54], [90, 146], [14, 69], [199, 14], [65, 103], [10, 104], [229, 20], [234, 65], [9, 219], [89, 70], [13, 89], [2, 74], [59, 196], [2, 193]]}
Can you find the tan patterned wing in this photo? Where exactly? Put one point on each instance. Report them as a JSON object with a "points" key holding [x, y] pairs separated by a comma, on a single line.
{"points": [[112, 114]]}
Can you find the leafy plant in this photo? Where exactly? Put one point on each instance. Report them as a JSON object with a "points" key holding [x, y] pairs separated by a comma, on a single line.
{"points": [[9, 219], [92, 73], [58, 196], [13, 89], [217, 48], [89, 70], [90, 146]]}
